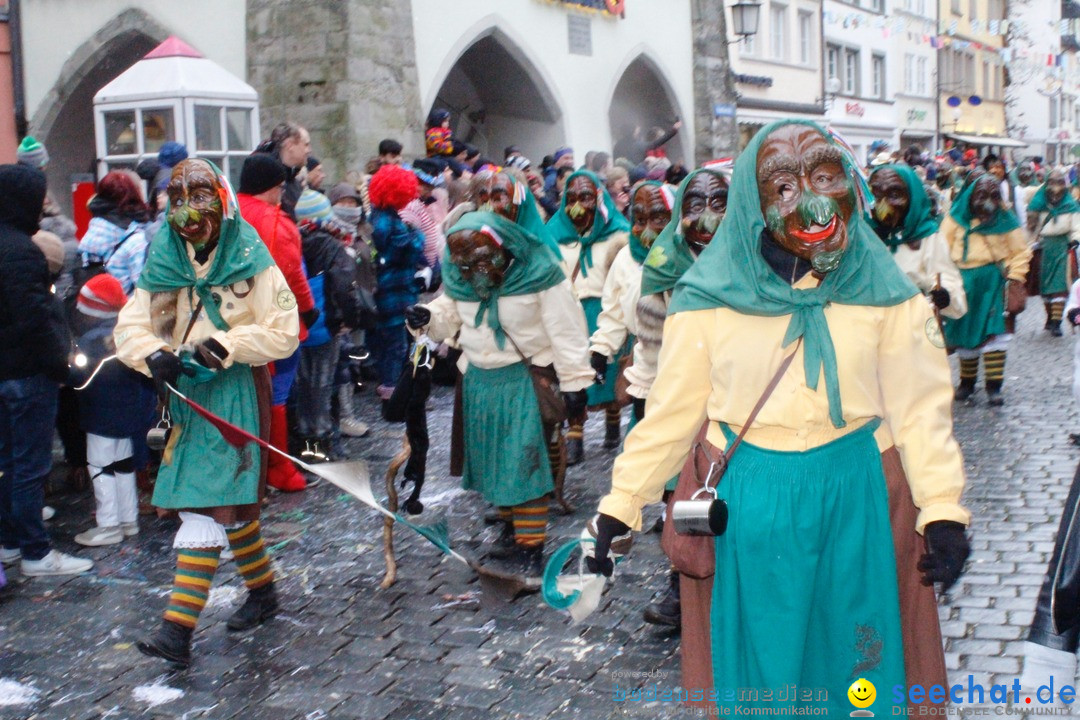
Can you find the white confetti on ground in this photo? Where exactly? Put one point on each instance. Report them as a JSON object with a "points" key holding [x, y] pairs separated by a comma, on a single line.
{"points": [[156, 694], [224, 595], [14, 693]]}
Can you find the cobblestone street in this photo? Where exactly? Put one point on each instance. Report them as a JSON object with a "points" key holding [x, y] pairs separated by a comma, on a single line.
{"points": [[428, 647]]}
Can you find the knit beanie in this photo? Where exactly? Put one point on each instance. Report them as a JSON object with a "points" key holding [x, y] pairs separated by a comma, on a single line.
{"points": [[261, 171], [312, 206], [101, 297], [312, 163], [172, 153], [52, 247], [32, 153]]}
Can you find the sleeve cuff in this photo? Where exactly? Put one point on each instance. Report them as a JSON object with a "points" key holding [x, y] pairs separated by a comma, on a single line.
{"points": [[623, 507], [942, 511], [222, 337]]}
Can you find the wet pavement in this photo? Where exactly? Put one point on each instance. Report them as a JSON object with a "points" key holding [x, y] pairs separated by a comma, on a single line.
{"points": [[432, 646]]}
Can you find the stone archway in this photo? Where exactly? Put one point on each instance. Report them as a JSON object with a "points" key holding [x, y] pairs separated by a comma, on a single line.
{"points": [[643, 98], [65, 119], [497, 97]]}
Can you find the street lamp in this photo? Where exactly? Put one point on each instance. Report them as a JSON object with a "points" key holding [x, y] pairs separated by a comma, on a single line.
{"points": [[744, 19]]}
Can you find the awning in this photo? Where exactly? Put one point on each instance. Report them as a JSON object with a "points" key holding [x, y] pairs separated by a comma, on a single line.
{"points": [[917, 133], [987, 140]]}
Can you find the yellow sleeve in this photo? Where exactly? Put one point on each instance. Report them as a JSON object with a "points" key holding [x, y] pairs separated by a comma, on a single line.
{"points": [[134, 336], [658, 445], [274, 335], [610, 332], [1019, 255], [917, 394], [445, 320], [566, 329]]}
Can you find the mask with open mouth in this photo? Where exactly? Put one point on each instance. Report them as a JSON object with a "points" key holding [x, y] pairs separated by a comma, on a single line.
{"points": [[806, 195], [481, 260], [195, 202], [649, 213], [581, 203]]}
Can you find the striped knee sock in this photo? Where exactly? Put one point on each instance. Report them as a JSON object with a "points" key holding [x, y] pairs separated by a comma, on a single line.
{"points": [[576, 431], [969, 368], [613, 415], [556, 458], [530, 522], [994, 365], [251, 558], [506, 514], [191, 587], [1055, 310]]}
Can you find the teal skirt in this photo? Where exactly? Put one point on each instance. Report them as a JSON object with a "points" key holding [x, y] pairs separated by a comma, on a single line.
{"points": [[985, 316], [602, 394], [1053, 279], [201, 470], [506, 457], [805, 588]]}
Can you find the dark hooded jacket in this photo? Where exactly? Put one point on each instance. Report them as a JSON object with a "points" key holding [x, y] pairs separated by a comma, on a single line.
{"points": [[32, 331]]}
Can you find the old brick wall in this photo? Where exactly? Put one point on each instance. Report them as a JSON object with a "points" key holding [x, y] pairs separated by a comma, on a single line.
{"points": [[344, 69]]}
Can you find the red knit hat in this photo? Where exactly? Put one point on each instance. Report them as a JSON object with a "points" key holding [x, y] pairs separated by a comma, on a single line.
{"points": [[102, 296], [393, 187]]}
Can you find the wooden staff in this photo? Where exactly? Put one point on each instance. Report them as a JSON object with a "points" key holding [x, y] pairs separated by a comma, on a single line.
{"points": [[937, 310], [392, 505]]}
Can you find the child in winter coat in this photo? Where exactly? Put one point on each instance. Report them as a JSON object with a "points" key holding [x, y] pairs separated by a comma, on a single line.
{"points": [[112, 409]]}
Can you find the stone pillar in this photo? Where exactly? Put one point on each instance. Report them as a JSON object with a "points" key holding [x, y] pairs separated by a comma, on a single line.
{"points": [[344, 69], [716, 130]]}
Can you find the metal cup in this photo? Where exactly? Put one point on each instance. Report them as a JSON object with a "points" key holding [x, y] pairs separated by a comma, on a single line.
{"points": [[705, 516], [157, 438]]}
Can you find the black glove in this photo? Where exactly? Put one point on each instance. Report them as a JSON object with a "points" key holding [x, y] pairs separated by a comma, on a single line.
{"points": [[599, 363], [607, 529], [417, 316], [310, 317], [940, 297], [947, 550], [210, 353], [639, 408], [576, 402], [164, 367], [1074, 316]]}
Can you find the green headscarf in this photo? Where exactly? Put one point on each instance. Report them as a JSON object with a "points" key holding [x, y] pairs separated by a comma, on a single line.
{"points": [[1003, 221], [638, 251], [534, 268], [607, 221], [731, 272], [1039, 202], [529, 215], [240, 254], [919, 222], [670, 256]]}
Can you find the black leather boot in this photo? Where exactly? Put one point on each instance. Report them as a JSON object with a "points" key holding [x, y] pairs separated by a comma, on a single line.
{"points": [[667, 610], [965, 389], [172, 642], [260, 606], [612, 435], [503, 547], [993, 393], [575, 451], [524, 562]]}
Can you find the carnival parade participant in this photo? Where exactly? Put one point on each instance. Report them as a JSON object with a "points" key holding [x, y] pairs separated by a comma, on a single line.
{"points": [[902, 217], [988, 246], [796, 272], [211, 309], [1054, 221], [591, 231], [699, 206], [511, 306]]}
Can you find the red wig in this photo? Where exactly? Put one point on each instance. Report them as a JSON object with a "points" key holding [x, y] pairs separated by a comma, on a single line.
{"points": [[393, 187], [118, 189]]}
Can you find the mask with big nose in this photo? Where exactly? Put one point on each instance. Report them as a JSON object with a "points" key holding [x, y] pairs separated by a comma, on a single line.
{"points": [[891, 198], [704, 203], [1055, 187], [494, 192], [580, 196], [649, 213], [985, 198], [806, 195], [196, 202], [481, 260]]}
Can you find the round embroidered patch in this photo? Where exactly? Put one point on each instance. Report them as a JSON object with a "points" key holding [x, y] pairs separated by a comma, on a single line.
{"points": [[933, 333], [286, 300]]}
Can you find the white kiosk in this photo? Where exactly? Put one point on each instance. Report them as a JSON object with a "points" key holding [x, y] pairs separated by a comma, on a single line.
{"points": [[176, 94]]}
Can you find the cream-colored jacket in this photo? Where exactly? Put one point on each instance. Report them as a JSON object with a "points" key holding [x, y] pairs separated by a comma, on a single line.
{"points": [[618, 317], [715, 364], [923, 266], [548, 326], [603, 255], [1067, 224], [261, 313], [1009, 248]]}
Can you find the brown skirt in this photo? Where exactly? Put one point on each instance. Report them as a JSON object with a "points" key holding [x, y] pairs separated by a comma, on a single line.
{"points": [[232, 514], [924, 655]]}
